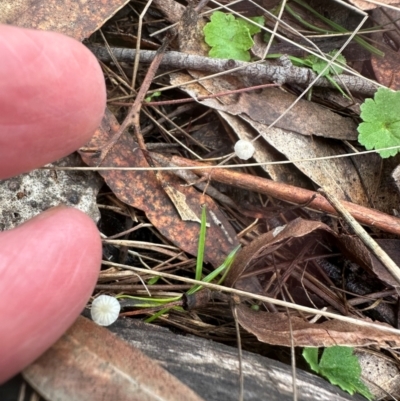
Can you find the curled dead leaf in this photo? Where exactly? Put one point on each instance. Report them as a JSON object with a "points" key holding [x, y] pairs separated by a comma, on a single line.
{"points": [[267, 243], [275, 259], [273, 328], [355, 250]]}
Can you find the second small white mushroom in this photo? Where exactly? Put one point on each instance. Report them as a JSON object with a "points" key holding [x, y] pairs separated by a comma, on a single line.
{"points": [[105, 310]]}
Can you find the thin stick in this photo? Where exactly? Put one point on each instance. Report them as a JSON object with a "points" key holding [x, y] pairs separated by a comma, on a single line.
{"points": [[240, 355], [138, 42], [262, 298], [134, 113], [281, 285], [292, 194], [133, 116], [363, 235]]}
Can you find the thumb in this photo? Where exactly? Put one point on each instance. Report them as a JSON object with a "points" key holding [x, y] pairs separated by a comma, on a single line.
{"points": [[48, 268]]}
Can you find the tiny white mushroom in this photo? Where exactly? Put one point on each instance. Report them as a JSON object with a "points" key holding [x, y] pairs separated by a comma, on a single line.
{"points": [[105, 310], [244, 149]]}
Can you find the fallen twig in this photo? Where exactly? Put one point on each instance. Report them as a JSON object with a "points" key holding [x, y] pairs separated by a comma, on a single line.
{"points": [[292, 194], [254, 73]]}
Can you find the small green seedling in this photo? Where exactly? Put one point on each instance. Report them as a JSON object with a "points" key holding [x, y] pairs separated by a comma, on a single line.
{"points": [[229, 37], [151, 96], [381, 122], [319, 65], [340, 367], [221, 270]]}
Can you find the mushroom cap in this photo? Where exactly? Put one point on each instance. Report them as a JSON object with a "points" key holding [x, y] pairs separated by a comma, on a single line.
{"points": [[105, 310], [244, 149]]}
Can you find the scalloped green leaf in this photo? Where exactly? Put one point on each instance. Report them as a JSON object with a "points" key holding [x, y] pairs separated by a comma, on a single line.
{"points": [[311, 356], [253, 29], [228, 37], [381, 122], [340, 367]]}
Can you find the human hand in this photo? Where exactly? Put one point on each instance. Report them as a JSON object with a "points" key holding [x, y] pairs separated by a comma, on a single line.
{"points": [[52, 98]]}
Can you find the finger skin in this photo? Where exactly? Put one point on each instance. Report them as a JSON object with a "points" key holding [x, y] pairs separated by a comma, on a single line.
{"points": [[49, 268], [52, 98]]}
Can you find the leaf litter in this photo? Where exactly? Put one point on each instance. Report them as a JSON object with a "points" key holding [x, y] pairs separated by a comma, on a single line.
{"points": [[143, 191], [298, 262]]}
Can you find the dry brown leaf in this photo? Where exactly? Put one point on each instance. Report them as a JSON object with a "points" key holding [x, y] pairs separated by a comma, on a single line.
{"points": [[181, 206], [366, 5], [248, 272], [375, 174], [78, 19], [392, 248], [265, 153], [305, 118], [266, 242], [308, 119], [274, 329], [356, 251], [379, 370], [142, 190], [90, 363], [386, 68], [339, 175]]}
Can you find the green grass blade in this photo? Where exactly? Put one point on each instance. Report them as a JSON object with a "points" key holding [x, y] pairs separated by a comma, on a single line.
{"points": [[223, 268], [156, 315], [304, 22], [143, 302], [202, 243], [153, 280], [159, 313], [339, 28], [335, 84], [228, 262]]}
